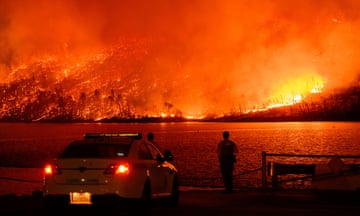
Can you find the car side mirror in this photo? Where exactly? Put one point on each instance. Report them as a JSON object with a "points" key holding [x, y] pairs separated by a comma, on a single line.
{"points": [[159, 158], [168, 156]]}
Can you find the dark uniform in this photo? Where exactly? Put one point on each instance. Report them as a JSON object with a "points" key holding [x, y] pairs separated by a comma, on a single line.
{"points": [[226, 153]]}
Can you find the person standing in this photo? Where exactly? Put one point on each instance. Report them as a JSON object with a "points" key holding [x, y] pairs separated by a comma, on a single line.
{"points": [[226, 151], [150, 137]]}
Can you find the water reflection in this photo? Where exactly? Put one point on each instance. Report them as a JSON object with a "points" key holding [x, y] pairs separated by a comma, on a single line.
{"points": [[193, 144]]}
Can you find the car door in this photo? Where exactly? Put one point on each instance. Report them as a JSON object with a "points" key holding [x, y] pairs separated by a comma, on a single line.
{"points": [[153, 168], [163, 171]]}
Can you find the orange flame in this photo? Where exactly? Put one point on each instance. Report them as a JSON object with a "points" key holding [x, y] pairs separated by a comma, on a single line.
{"points": [[116, 59], [295, 90]]}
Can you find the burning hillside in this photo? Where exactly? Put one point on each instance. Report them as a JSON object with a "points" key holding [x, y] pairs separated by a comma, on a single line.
{"points": [[94, 60], [93, 87], [110, 85]]}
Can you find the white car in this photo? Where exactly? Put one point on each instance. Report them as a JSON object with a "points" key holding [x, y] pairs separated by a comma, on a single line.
{"points": [[110, 168]]}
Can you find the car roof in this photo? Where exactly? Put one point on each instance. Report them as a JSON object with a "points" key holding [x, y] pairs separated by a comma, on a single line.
{"points": [[112, 135], [116, 138], [97, 145]]}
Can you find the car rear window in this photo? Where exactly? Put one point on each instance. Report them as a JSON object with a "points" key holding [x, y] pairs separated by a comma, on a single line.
{"points": [[95, 150]]}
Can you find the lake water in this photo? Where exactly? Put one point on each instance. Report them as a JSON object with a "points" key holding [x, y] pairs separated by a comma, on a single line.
{"points": [[192, 143]]}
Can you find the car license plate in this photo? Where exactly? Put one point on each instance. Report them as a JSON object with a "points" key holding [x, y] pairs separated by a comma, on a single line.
{"points": [[80, 198]]}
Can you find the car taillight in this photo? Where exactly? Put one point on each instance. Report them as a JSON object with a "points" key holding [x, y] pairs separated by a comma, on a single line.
{"points": [[51, 169], [118, 169]]}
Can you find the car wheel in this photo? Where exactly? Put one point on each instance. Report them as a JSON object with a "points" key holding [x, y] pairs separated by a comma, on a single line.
{"points": [[146, 196], [173, 200], [143, 207]]}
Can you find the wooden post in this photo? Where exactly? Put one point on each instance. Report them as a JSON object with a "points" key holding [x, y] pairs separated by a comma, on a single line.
{"points": [[274, 177], [263, 160]]}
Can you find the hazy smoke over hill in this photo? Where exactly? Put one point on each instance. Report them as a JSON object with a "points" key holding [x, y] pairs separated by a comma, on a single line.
{"points": [[197, 56]]}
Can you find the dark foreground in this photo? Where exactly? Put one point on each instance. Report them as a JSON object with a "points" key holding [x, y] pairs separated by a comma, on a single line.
{"points": [[210, 202]]}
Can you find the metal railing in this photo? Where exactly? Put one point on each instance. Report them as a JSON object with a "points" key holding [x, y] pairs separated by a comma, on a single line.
{"points": [[264, 156], [216, 181]]}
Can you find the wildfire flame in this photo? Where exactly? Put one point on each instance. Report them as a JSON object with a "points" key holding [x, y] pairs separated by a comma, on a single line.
{"points": [[124, 59], [89, 99], [296, 89]]}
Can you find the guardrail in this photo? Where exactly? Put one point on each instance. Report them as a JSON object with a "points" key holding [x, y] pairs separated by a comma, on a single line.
{"points": [[217, 181], [280, 169]]}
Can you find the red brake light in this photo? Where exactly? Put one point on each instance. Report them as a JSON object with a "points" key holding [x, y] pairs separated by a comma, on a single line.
{"points": [[122, 169], [118, 169], [51, 169], [48, 169]]}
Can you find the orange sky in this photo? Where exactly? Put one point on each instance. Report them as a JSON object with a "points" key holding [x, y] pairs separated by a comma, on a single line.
{"points": [[209, 55]]}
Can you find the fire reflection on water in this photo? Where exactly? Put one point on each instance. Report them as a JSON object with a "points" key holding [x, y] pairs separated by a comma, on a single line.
{"points": [[193, 144]]}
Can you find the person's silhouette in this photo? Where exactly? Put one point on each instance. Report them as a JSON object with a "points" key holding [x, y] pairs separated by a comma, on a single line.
{"points": [[151, 137], [226, 152]]}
